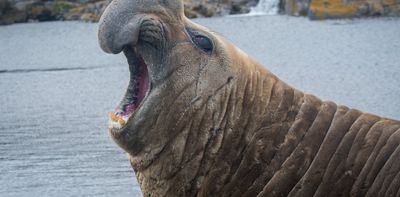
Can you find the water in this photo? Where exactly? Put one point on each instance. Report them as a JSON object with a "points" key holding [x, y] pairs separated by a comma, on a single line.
{"points": [[57, 87]]}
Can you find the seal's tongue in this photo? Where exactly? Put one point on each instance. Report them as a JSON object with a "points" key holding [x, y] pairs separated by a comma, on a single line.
{"points": [[138, 88]]}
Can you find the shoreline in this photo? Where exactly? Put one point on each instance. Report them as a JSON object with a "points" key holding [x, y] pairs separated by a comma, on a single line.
{"points": [[21, 11]]}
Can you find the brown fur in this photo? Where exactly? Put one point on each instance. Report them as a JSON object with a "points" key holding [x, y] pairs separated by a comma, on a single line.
{"points": [[222, 125]]}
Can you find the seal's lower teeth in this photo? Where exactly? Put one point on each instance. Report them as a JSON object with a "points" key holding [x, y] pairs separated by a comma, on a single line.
{"points": [[116, 118], [121, 121], [113, 117]]}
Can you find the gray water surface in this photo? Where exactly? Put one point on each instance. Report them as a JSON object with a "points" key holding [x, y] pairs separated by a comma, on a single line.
{"points": [[53, 122], [57, 87]]}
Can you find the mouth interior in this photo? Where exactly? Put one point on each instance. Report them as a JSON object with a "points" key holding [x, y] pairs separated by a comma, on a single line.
{"points": [[138, 88]]}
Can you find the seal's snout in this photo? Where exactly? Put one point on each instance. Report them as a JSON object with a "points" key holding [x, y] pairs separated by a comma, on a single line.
{"points": [[113, 39], [120, 23]]}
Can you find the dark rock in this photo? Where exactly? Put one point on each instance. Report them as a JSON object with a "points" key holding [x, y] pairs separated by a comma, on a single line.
{"points": [[41, 13], [239, 9], [13, 16], [9, 15], [4, 5]]}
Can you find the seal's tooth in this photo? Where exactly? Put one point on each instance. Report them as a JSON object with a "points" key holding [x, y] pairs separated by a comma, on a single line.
{"points": [[113, 117], [114, 125], [116, 121], [121, 121]]}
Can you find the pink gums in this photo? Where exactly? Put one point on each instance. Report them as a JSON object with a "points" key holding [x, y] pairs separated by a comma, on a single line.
{"points": [[143, 79]]}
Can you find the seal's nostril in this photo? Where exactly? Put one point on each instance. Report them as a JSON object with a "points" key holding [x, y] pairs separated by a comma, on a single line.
{"points": [[117, 29], [126, 35]]}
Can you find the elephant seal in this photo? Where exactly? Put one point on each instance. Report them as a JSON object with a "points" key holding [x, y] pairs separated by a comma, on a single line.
{"points": [[201, 118]]}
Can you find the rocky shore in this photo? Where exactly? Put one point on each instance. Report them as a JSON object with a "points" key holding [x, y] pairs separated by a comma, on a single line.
{"points": [[15, 11]]}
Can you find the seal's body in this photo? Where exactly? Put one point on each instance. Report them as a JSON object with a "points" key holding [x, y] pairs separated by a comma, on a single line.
{"points": [[201, 118]]}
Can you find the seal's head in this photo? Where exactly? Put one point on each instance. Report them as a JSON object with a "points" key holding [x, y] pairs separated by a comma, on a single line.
{"points": [[176, 67]]}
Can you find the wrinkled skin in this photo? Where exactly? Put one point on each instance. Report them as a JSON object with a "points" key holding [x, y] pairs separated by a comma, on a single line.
{"points": [[219, 124]]}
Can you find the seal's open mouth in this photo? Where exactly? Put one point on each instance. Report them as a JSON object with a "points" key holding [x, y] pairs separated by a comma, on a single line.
{"points": [[138, 88]]}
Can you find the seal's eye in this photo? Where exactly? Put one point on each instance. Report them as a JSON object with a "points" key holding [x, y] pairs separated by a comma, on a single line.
{"points": [[203, 43]]}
